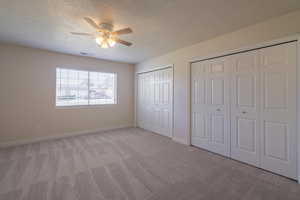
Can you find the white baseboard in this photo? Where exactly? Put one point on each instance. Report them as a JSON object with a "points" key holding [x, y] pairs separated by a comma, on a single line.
{"points": [[58, 136], [180, 140]]}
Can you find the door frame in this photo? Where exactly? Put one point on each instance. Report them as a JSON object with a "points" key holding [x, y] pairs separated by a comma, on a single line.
{"points": [[137, 73], [295, 38]]}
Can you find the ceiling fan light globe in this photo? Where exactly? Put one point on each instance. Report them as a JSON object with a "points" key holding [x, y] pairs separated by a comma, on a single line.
{"points": [[111, 42], [99, 40], [104, 45]]}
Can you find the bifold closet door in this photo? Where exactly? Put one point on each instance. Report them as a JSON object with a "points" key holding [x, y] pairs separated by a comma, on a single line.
{"points": [[155, 104], [262, 99], [210, 106], [245, 107], [278, 114]]}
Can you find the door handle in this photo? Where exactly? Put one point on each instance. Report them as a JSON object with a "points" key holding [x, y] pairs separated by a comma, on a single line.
{"points": [[244, 112], [218, 109]]}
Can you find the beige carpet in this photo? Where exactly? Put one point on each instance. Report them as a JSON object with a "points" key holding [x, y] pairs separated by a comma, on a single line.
{"points": [[131, 164]]}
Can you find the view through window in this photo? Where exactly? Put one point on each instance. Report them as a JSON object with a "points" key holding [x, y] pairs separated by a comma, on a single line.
{"points": [[76, 87]]}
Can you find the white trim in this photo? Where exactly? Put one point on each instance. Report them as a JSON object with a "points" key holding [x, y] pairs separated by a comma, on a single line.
{"points": [[59, 136], [155, 69], [180, 140], [189, 104], [92, 106], [135, 99], [249, 48], [298, 107], [136, 92], [173, 91]]}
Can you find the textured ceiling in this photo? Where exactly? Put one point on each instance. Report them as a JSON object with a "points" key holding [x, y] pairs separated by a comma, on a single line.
{"points": [[159, 26]]}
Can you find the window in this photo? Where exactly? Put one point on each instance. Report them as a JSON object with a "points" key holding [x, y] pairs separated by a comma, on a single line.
{"points": [[77, 88]]}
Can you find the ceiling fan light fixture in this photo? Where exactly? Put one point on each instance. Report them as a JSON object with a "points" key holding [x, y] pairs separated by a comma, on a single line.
{"points": [[111, 42], [104, 44], [106, 37], [99, 40]]}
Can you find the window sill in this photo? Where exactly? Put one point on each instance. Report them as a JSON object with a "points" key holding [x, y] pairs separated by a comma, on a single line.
{"points": [[85, 106]]}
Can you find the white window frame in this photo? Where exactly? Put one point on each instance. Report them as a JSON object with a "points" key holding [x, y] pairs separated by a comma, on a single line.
{"points": [[88, 104]]}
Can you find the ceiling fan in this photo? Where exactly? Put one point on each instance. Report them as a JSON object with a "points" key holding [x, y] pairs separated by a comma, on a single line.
{"points": [[105, 36]]}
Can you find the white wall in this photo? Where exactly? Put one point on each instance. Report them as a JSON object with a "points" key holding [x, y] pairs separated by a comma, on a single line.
{"points": [[27, 95], [275, 28]]}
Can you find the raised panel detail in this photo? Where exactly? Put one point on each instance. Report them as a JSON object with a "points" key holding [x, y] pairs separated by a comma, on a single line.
{"points": [[276, 140], [245, 90], [275, 56], [245, 63], [196, 96], [198, 91], [217, 128], [198, 125], [275, 90], [166, 94], [217, 68], [217, 91], [246, 134]]}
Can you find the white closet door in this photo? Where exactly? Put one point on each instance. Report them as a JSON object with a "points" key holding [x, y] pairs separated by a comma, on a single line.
{"points": [[141, 101], [164, 103], [145, 102], [155, 104], [259, 107], [245, 106], [200, 114], [278, 97], [210, 106]]}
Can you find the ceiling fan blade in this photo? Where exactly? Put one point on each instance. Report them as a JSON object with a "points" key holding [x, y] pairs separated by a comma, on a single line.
{"points": [[122, 31], [83, 34], [123, 42], [92, 23]]}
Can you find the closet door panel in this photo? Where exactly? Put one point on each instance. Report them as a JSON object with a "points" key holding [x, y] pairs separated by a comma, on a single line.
{"points": [[275, 90], [218, 99], [141, 94], [217, 91], [246, 86], [165, 101], [217, 129], [278, 139], [200, 117], [246, 134], [245, 106], [210, 106]]}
